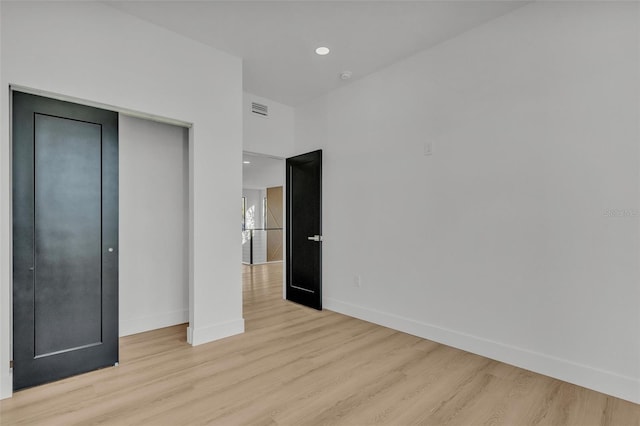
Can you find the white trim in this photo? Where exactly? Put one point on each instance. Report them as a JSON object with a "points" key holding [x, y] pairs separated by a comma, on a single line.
{"points": [[208, 334], [7, 379], [153, 322], [608, 382], [125, 111]]}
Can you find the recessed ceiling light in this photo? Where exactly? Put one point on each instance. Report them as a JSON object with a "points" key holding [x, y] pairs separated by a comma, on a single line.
{"points": [[246, 162], [322, 51]]}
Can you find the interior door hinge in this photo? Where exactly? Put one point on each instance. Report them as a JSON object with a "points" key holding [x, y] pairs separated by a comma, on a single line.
{"points": [[11, 364]]}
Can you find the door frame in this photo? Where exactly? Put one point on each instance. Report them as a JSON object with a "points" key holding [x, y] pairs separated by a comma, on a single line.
{"points": [[9, 247]]}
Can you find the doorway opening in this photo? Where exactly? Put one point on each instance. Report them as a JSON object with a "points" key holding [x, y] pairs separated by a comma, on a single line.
{"points": [[263, 230], [154, 225]]}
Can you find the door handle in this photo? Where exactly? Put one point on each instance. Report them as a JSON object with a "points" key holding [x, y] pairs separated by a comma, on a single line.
{"points": [[315, 238]]}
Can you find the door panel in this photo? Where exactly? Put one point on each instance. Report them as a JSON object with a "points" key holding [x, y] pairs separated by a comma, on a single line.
{"points": [[304, 229], [65, 285], [67, 234]]}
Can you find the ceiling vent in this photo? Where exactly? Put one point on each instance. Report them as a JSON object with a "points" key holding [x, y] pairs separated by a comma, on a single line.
{"points": [[257, 108]]}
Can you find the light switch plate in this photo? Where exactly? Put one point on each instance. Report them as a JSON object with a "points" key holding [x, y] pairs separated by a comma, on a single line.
{"points": [[428, 148]]}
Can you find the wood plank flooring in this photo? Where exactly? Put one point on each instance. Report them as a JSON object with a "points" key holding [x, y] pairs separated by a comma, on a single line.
{"points": [[297, 366]]}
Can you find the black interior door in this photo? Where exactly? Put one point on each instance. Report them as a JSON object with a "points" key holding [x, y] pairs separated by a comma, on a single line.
{"points": [[65, 239], [304, 229]]}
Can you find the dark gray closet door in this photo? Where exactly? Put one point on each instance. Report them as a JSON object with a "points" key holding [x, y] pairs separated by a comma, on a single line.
{"points": [[65, 231]]}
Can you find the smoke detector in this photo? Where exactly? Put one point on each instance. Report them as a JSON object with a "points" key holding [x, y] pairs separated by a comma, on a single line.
{"points": [[345, 75]]}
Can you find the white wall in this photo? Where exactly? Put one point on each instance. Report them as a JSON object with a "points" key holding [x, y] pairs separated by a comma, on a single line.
{"points": [[502, 242], [263, 172], [88, 50], [270, 135], [154, 227]]}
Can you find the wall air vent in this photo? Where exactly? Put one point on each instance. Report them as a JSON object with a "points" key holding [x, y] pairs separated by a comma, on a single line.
{"points": [[257, 108]]}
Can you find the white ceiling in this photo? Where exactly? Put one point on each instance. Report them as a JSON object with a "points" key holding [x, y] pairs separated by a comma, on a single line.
{"points": [[277, 39]]}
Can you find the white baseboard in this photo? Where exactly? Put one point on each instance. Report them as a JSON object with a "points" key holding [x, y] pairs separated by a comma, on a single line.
{"points": [[623, 387], [6, 385], [198, 336], [152, 322]]}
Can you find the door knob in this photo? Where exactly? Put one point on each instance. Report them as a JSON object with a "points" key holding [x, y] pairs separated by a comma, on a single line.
{"points": [[315, 238]]}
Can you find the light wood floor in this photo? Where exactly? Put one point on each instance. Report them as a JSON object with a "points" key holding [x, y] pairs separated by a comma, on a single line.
{"points": [[296, 366]]}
